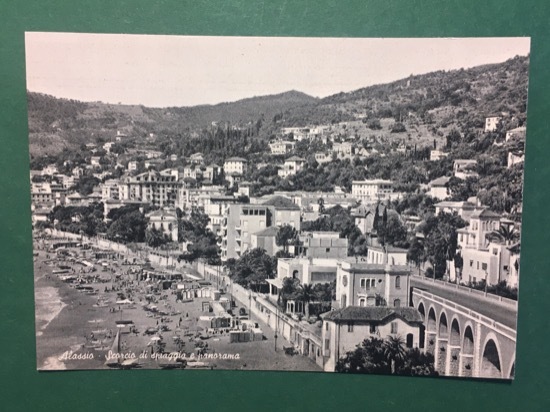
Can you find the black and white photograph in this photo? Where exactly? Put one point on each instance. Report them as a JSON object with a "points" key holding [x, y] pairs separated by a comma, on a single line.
{"points": [[348, 205]]}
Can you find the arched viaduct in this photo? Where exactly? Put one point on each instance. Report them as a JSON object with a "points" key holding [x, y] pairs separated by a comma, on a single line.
{"points": [[464, 342]]}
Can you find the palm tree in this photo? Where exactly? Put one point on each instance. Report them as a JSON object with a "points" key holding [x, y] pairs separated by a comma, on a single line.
{"points": [[394, 351], [506, 234], [307, 295]]}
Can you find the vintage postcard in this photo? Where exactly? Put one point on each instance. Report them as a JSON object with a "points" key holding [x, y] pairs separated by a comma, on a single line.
{"points": [[299, 204]]}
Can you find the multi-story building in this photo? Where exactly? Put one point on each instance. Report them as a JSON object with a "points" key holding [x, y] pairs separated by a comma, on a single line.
{"points": [[292, 166], [242, 220], [281, 147], [239, 223], [370, 190], [344, 329], [484, 258], [152, 187], [211, 173], [266, 239], [196, 158], [463, 209], [367, 284], [165, 221], [284, 212], [42, 196], [344, 149], [306, 270], [215, 207], [110, 190], [321, 245], [321, 157], [387, 255], [235, 165]]}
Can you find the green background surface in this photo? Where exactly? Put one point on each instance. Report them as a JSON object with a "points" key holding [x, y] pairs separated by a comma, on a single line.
{"points": [[23, 388]]}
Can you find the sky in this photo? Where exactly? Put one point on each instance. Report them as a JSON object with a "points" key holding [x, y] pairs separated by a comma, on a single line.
{"points": [[162, 71]]}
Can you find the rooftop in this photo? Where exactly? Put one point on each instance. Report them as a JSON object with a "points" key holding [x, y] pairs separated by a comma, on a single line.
{"points": [[379, 314], [372, 182], [280, 202], [485, 213], [295, 159], [440, 181], [236, 159], [269, 231]]}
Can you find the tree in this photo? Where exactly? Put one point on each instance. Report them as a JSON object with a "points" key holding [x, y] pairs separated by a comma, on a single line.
{"points": [[307, 295], [417, 254], [398, 127], [377, 356], [505, 234], [441, 240], [155, 238], [376, 220], [285, 236], [392, 231], [129, 227], [253, 268], [394, 351], [321, 203]]}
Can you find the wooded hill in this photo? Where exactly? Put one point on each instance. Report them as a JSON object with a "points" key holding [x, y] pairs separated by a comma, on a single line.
{"points": [[429, 106]]}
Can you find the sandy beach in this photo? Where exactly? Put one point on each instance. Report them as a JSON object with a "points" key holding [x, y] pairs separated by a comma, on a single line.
{"points": [[76, 330]]}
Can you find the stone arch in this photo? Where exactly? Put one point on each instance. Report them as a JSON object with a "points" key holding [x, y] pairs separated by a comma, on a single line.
{"points": [[454, 338], [468, 340], [443, 326], [431, 325], [491, 360], [422, 311], [422, 333], [512, 369]]}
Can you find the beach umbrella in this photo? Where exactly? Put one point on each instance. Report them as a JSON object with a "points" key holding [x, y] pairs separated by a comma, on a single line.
{"points": [[156, 338]]}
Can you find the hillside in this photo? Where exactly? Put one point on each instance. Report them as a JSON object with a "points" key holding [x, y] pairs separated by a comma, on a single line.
{"points": [[56, 123], [427, 107]]}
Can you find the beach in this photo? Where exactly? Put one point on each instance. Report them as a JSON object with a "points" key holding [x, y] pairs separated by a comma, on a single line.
{"points": [[76, 329]]}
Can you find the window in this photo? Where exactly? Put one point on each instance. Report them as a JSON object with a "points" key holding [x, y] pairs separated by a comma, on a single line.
{"points": [[326, 325], [373, 283], [327, 250], [394, 327], [327, 344], [350, 327], [372, 328], [477, 265], [471, 263], [397, 303], [362, 302], [398, 282], [484, 266]]}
